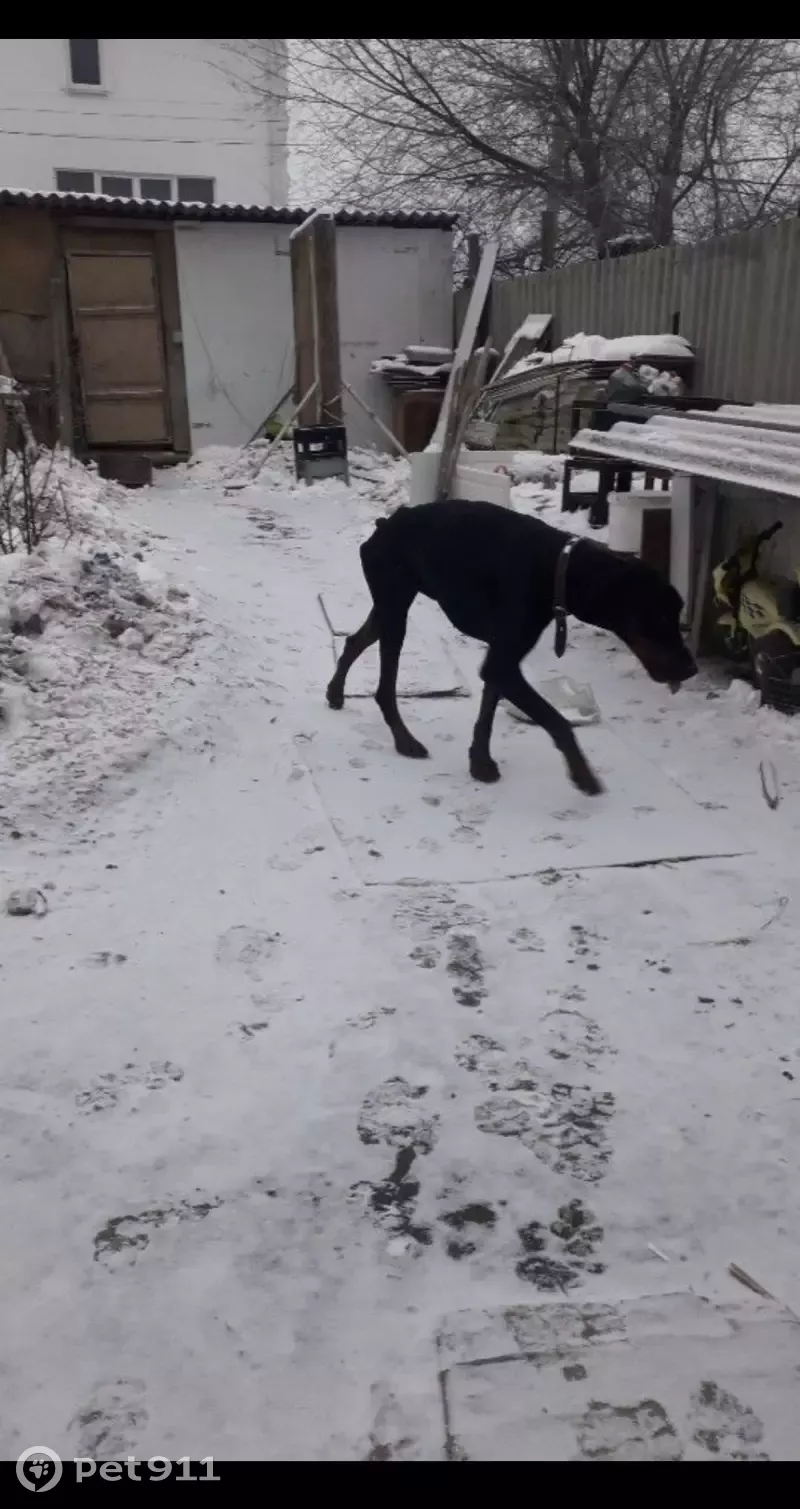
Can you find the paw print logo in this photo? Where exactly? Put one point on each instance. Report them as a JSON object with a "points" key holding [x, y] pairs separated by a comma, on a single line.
{"points": [[39, 1468]]}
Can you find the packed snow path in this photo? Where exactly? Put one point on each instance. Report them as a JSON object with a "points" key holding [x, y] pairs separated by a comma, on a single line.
{"points": [[308, 1084]]}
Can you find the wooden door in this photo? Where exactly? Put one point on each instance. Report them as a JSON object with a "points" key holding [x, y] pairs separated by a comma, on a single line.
{"points": [[118, 326]]}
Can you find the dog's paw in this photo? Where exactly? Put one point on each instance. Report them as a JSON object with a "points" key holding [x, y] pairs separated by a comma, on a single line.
{"points": [[407, 745], [586, 781], [483, 769], [335, 697]]}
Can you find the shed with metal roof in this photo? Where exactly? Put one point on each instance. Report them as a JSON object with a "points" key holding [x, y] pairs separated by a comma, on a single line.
{"points": [[163, 326]]}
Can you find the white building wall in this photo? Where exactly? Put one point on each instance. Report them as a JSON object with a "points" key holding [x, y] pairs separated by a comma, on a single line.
{"points": [[166, 106], [236, 313], [395, 288]]}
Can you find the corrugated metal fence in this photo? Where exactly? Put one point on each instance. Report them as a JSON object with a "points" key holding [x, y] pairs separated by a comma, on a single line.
{"points": [[736, 299]]}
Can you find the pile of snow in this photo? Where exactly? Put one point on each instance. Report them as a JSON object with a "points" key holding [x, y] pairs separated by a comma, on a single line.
{"points": [[596, 348], [378, 483], [381, 482], [91, 642], [535, 467]]}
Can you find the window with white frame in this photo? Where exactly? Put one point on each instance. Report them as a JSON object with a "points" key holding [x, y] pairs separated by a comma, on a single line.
{"points": [[135, 186], [84, 62]]}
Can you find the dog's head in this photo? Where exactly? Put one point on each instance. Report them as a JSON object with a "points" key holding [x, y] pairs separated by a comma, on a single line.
{"points": [[644, 611]]}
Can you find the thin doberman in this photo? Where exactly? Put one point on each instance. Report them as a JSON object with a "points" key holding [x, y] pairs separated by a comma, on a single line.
{"points": [[501, 578]]}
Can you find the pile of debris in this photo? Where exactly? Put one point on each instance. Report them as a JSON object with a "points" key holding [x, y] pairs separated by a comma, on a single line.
{"points": [[672, 352], [534, 396]]}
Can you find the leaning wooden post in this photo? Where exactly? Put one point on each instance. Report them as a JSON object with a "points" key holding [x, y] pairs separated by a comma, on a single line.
{"points": [[316, 320]]}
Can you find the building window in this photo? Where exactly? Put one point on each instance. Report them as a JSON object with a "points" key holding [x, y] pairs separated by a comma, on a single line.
{"points": [[84, 61], [155, 188], [70, 182], [118, 188], [131, 186], [196, 190]]}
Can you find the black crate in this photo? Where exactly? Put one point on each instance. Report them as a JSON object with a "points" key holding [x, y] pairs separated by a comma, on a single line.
{"points": [[783, 695], [320, 450]]}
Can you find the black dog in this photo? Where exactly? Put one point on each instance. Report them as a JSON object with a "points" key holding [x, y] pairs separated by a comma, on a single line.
{"points": [[502, 577]]}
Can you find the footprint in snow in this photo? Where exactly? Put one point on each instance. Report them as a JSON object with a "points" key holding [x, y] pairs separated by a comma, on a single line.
{"points": [[565, 1125], [394, 1113], [108, 1426], [104, 1093], [246, 949]]}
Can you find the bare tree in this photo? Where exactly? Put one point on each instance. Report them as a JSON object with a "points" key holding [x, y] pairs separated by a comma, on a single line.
{"points": [[32, 503], [559, 145], [711, 141]]}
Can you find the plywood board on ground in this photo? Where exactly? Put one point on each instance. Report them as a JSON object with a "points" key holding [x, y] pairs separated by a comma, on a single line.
{"points": [[666, 1378], [427, 820]]}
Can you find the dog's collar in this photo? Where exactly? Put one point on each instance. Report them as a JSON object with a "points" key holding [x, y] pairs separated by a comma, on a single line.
{"points": [[560, 610]]}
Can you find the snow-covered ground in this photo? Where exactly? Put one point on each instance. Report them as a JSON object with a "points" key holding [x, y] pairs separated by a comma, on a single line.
{"points": [[328, 1076]]}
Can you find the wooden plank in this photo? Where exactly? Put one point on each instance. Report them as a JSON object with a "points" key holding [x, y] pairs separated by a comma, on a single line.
{"points": [[326, 318], [466, 342], [305, 375], [59, 320], [315, 301], [447, 459], [463, 406], [167, 285]]}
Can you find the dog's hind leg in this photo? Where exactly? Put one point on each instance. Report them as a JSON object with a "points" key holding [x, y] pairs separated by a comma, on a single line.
{"points": [[392, 619], [481, 765], [354, 645], [508, 681]]}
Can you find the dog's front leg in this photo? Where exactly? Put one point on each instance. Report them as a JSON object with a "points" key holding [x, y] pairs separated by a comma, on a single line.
{"points": [[509, 682]]}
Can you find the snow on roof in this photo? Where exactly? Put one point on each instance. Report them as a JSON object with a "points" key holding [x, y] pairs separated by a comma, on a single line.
{"points": [[775, 416], [173, 209], [706, 424], [759, 461]]}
